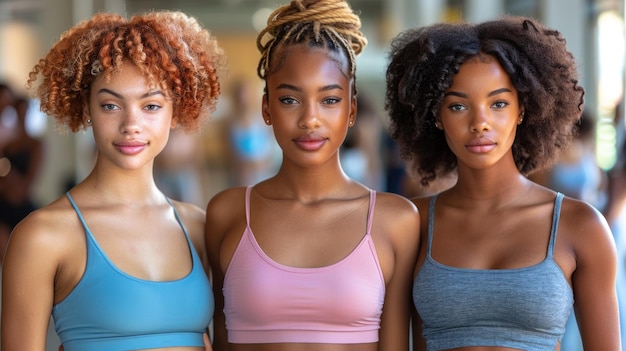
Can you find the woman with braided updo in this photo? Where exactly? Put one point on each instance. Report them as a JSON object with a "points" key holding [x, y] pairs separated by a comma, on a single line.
{"points": [[502, 259], [119, 265], [310, 259]]}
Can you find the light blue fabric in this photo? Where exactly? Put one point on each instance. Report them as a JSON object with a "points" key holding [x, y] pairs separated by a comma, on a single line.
{"points": [[524, 308], [109, 310]]}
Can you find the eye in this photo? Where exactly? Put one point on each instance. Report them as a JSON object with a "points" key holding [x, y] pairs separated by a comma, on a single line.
{"points": [[153, 107], [332, 100], [500, 104], [288, 100], [456, 107], [109, 107]]}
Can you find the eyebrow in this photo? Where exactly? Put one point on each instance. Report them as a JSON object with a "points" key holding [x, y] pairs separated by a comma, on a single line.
{"points": [[148, 94], [295, 88], [463, 95]]}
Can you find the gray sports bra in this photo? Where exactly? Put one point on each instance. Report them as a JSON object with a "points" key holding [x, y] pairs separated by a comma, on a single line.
{"points": [[524, 308]]}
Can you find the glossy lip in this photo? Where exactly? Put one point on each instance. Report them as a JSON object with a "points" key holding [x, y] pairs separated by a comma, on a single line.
{"points": [[310, 141], [131, 147], [481, 145]]}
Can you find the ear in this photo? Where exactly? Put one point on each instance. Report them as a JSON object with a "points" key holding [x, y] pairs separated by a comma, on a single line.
{"points": [[174, 122], [265, 110], [438, 124], [86, 116], [353, 112]]}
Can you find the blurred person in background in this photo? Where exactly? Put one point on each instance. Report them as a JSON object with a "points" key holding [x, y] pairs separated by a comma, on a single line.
{"points": [[361, 151], [179, 168], [252, 152], [615, 211], [24, 156]]}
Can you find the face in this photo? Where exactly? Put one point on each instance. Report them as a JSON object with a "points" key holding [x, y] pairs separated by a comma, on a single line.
{"points": [[480, 113], [131, 119], [309, 103]]}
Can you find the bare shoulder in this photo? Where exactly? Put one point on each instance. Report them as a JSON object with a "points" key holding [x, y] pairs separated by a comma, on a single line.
{"points": [[224, 209], [46, 234], [393, 202], [226, 200], [399, 215], [584, 227], [193, 218]]}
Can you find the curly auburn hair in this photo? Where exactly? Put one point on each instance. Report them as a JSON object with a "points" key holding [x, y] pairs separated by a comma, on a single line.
{"points": [[328, 24], [168, 47], [423, 62]]}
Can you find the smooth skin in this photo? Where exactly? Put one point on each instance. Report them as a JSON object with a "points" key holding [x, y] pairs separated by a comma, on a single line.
{"points": [[310, 214], [495, 218], [127, 214]]}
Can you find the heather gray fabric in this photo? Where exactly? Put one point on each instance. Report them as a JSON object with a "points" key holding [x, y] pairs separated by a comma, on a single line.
{"points": [[524, 308]]}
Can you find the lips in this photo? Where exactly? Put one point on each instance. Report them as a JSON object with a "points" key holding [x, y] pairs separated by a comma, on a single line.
{"points": [[481, 145], [310, 142], [130, 147]]}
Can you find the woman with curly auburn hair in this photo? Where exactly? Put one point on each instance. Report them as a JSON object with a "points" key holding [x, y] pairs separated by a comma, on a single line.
{"points": [[502, 259], [309, 259], [118, 264]]}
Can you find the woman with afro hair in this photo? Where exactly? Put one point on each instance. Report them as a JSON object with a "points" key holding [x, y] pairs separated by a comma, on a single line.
{"points": [[118, 264], [502, 259]]}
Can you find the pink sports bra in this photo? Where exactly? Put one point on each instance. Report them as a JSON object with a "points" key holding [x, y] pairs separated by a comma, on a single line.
{"points": [[266, 302]]}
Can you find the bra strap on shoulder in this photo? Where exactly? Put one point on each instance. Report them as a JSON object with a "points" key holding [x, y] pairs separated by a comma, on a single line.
{"points": [[370, 213], [431, 222], [555, 222], [247, 200]]}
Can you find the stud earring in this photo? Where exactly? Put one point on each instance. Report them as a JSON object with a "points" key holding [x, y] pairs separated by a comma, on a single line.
{"points": [[88, 121]]}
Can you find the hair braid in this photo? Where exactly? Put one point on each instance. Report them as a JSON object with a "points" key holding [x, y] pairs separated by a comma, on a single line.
{"points": [[327, 23]]}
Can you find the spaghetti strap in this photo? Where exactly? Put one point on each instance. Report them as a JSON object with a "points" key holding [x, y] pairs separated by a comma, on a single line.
{"points": [[431, 223], [555, 222], [247, 200], [80, 215], [370, 213]]}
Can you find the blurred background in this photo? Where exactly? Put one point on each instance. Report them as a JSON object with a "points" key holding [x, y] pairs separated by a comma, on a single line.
{"points": [[236, 148]]}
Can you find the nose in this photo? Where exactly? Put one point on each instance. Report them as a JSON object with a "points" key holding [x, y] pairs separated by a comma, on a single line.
{"points": [[310, 117], [480, 121], [131, 123]]}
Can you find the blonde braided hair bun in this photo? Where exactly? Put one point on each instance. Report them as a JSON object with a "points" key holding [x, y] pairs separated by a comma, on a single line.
{"points": [[330, 24]]}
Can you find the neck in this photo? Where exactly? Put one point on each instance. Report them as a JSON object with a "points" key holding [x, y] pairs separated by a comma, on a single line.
{"points": [[125, 187], [491, 186], [311, 184]]}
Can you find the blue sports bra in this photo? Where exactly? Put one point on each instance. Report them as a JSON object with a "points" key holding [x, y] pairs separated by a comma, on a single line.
{"points": [[109, 310], [524, 308]]}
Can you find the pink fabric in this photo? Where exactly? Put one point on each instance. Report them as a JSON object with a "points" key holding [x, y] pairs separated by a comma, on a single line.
{"points": [[266, 302]]}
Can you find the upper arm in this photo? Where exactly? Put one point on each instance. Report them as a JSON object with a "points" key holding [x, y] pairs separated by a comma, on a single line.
{"points": [[594, 277], [28, 285], [221, 216], [403, 223]]}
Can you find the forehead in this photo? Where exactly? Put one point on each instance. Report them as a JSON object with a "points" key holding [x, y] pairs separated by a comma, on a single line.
{"points": [[302, 64], [292, 53], [480, 70], [127, 76]]}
